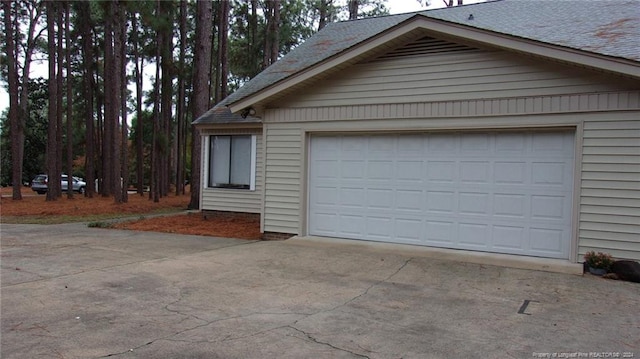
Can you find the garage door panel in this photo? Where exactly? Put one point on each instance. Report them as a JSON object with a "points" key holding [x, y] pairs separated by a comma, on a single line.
{"points": [[547, 207], [551, 144], [409, 171], [352, 147], [327, 169], [380, 199], [546, 241], [325, 223], [474, 236], [495, 192], [473, 203], [440, 233], [509, 205], [441, 202], [475, 171], [353, 225], [511, 144], [410, 200], [380, 170], [408, 230], [509, 238], [442, 143], [474, 142], [353, 169], [379, 229], [352, 197], [441, 171], [514, 173], [552, 174]]}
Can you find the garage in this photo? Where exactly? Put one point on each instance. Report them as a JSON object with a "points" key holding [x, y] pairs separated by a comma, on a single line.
{"points": [[497, 191]]}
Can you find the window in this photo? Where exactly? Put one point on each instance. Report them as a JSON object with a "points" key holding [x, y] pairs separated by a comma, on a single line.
{"points": [[232, 161]]}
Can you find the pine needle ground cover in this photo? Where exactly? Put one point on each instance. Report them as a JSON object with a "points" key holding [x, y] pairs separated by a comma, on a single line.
{"points": [[139, 213]]}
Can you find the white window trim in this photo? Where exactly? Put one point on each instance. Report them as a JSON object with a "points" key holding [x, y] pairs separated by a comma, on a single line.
{"points": [[254, 154], [207, 155]]}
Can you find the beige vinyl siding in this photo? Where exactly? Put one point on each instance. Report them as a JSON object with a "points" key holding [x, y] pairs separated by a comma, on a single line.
{"points": [[609, 218], [234, 200], [471, 90], [451, 77], [510, 106], [283, 171]]}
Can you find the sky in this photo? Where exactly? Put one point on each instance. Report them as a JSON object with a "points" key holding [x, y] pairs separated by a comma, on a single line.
{"points": [[395, 7]]}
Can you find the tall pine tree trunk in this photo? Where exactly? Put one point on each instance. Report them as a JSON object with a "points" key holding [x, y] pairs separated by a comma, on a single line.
{"points": [[69, 116], [275, 44], [324, 9], [21, 91], [32, 40], [201, 95], [222, 64], [353, 9], [253, 46], [139, 68], [272, 37], [52, 86], [115, 90], [110, 105], [14, 119], [167, 95], [124, 152], [60, 80], [154, 193], [99, 131], [59, 103], [268, 36], [181, 101], [88, 85]]}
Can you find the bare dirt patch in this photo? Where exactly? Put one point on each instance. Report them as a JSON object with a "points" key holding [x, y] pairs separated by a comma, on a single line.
{"points": [[35, 209]]}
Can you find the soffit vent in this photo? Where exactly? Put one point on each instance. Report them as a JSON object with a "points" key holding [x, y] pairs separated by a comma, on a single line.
{"points": [[425, 46]]}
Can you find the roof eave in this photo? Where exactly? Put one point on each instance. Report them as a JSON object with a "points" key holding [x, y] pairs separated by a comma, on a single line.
{"points": [[222, 116], [229, 125]]}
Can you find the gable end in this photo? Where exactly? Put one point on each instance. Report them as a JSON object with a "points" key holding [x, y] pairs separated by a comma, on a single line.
{"points": [[425, 46]]}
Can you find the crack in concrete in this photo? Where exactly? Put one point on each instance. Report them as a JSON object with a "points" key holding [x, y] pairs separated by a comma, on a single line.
{"points": [[176, 311], [40, 276], [315, 340], [370, 287], [305, 315], [169, 337]]}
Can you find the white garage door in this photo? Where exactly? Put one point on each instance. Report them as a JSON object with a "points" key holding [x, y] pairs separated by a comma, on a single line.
{"points": [[505, 192]]}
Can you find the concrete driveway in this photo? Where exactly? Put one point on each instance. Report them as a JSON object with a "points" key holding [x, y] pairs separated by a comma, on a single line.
{"points": [[69, 291]]}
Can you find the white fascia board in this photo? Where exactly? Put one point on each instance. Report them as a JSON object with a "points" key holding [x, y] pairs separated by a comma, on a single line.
{"points": [[444, 29], [229, 125]]}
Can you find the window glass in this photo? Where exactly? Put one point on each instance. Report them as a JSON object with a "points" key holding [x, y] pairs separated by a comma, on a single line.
{"points": [[240, 160], [230, 161], [220, 164]]}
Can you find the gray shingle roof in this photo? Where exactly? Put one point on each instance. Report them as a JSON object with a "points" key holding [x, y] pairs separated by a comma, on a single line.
{"points": [[221, 114], [605, 27]]}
